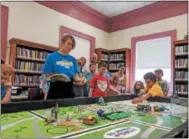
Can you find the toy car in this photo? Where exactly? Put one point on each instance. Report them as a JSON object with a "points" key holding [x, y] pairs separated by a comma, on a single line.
{"points": [[144, 108]]}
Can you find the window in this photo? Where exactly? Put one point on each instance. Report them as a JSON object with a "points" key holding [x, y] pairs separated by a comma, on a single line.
{"points": [[153, 54]]}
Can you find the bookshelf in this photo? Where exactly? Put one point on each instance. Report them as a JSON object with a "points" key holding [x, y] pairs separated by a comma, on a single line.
{"points": [[115, 58], [181, 68], [28, 59]]}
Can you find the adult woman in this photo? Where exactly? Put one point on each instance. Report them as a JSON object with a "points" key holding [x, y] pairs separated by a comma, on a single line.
{"points": [[60, 62]]}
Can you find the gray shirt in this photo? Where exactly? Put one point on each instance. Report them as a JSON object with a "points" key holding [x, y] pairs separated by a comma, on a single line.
{"points": [[164, 86]]}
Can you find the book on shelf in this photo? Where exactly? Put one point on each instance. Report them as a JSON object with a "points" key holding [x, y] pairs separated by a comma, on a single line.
{"points": [[28, 66], [105, 57], [182, 49], [116, 57], [115, 65], [181, 75], [24, 80], [181, 89], [33, 54], [181, 63]]}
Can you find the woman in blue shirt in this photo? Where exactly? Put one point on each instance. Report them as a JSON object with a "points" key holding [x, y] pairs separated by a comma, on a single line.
{"points": [[61, 62]]}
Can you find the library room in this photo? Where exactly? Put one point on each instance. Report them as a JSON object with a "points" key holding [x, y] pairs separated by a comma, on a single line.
{"points": [[92, 69]]}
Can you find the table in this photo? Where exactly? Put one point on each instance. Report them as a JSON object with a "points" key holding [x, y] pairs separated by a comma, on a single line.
{"points": [[33, 119]]}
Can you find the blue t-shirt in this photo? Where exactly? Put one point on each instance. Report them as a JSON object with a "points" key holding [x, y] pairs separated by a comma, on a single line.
{"points": [[89, 76], [58, 64], [3, 91]]}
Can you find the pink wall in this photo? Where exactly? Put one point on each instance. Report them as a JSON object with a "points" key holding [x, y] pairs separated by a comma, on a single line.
{"points": [[4, 24]]}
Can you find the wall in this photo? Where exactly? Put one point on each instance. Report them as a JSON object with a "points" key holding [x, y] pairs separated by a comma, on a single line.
{"points": [[122, 39], [34, 22]]}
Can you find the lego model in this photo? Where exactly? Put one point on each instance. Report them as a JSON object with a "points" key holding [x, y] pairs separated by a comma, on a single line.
{"points": [[144, 108], [117, 115], [90, 120], [54, 115], [68, 117], [160, 108], [100, 112]]}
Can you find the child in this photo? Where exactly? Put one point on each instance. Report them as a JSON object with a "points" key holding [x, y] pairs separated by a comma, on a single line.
{"points": [[152, 88], [45, 85], [138, 88], [99, 83], [161, 82], [6, 71], [89, 75], [115, 83], [81, 64]]}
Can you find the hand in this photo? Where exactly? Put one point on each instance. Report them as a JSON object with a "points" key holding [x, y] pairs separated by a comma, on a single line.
{"points": [[84, 80], [136, 100], [45, 96], [8, 84]]}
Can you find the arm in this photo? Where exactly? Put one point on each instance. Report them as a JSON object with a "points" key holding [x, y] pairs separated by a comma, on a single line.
{"points": [[90, 92], [115, 90], [142, 98], [7, 97], [165, 88], [43, 82], [48, 67]]}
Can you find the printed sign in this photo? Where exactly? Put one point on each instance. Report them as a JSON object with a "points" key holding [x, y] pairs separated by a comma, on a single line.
{"points": [[124, 132]]}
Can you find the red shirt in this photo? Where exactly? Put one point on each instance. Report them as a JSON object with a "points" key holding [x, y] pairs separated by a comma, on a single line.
{"points": [[100, 85]]}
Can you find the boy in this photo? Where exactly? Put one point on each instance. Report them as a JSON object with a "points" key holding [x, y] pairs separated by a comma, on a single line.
{"points": [[6, 71], [161, 82], [89, 75], [152, 88], [99, 83]]}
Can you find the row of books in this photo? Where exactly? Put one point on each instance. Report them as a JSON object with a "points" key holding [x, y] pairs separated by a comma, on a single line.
{"points": [[104, 57], [29, 53], [181, 89], [181, 75], [181, 49], [115, 57], [115, 65], [26, 80], [28, 66], [181, 63]]}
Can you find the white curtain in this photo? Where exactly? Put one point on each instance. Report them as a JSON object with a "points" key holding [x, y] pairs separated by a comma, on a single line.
{"points": [[153, 54]]}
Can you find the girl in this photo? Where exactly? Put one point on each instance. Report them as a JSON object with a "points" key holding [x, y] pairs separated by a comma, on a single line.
{"points": [[61, 62], [115, 83], [6, 72], [138, 88]]}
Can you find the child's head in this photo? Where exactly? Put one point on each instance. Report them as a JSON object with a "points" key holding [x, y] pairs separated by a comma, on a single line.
{"points": [[102, 68], [159, 74], [115, 80], [121, 68], [92, 67], [138, 85], [6, 72], [4, 77], [150, 79], [82, 61]]}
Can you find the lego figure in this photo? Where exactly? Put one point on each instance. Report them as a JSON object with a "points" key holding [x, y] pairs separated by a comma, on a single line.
{"points": [[54, 112], [101, 101], [69, 117]]}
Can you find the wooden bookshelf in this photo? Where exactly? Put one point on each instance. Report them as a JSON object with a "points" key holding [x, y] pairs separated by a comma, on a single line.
{"points": [[28, 59], [181, 68], [114, 59]]}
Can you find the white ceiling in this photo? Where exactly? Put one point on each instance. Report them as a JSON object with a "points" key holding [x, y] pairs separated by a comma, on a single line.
{"points": [[113, 8]]}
